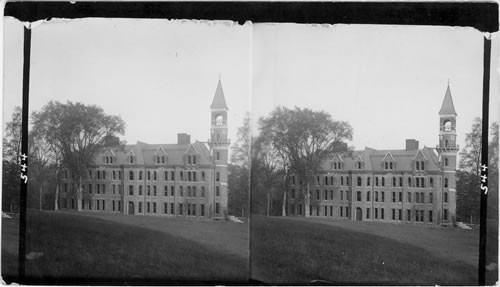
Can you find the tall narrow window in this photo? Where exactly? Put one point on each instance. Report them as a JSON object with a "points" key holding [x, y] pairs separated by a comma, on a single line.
{"points": [[359, 180], [131, 175], [217, 155], [445, 182], [217, 176], [140, 175]]}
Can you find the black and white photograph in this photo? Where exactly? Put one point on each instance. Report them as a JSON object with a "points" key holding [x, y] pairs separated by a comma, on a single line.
{"points": [[223, 151], [367, 142]]}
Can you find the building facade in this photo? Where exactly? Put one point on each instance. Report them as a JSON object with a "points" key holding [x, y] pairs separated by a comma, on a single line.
{"points": [[182, 179], [409, 185]]}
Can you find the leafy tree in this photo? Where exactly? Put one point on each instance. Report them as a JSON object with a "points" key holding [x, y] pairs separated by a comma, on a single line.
{"points": [[239, 171], [11, 159], [12, 137], [468, 175], [470, 156], [75, 133], [305, 138]]}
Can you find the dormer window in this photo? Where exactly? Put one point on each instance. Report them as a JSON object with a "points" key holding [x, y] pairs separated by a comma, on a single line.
{"points": [[419, 165], [160, 159], [131, 159], [389, 162]]}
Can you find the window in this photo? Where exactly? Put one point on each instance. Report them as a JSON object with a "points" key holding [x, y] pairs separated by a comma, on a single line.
{"points": [[165, 176], [445, 197], [189, 191], [430, 215], [165, 205], [400, 181], [367, 213], [393, 214], [131, 159], [422, 197], [341, 180], [154, 207], [383, 198], [431, 182], [194, 175], [189, 159], [386, 165], [217, 155], [217, 208], [390, 165], [317, 194], [140, 175], [202, 176], [376, 181], [154, 175], [393, 196], [202, 191], [400, 214], [98, 174], [217, 191], [172, 211], [219, 120], [431, 200], [172, 191], [140, 189], [393, 181], [181, 191], [140, 207], [148, 205], [194, 159], [422, 167], [376, 196], [90, 174], [408, 215], [202, 209], [130, 190], [445, 161], [181, 175], [383, 181], [114, 177], [347, 180], [368, 181], [172, 175], [409, 197], [165, 191], [90, 187], [341, 195], [119, 174], [376, 213], [149, 175], [217, 176], [131, 175], [154, 190], [148, 190], [103, 174], [382, 213], [445, 214], [367, 196], [417, 165], [417, 197], [358, 196], [409, 182], [359, 180], [400, 198], [445, 182], [189, 176]]}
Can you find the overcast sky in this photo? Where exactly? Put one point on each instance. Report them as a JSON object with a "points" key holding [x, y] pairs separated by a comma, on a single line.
{"points": [[160, 76]]}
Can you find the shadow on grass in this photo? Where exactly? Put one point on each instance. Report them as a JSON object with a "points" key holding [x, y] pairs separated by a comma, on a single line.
{"points": [[87, 250], [296, 252]]}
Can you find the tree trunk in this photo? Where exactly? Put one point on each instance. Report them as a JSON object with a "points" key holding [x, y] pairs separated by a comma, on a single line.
{"points": [[283, 205], [307, 202], [79, 195], [41, 193], [56, 196], [268, 202]]}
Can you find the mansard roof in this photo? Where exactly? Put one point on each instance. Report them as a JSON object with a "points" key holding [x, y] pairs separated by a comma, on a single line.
{"points": [[219, 102], [447, 108], [145, 153], [403, 158]]}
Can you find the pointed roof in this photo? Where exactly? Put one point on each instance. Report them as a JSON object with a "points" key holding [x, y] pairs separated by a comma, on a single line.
{"points": [[219, 102], [447, 108]]}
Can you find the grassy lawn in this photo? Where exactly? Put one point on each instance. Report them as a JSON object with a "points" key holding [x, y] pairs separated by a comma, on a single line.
{"points": [[10, 248], [86, 249], [287, 251], [223, 236]]}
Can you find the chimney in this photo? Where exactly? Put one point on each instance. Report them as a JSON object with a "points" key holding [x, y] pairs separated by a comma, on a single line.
{"points": [[183, 138], [411, 144]]}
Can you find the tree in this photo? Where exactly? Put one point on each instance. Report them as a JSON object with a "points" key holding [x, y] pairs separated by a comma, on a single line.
{"points": [[75, 133], [470, 156], [12, 137], [468, 175], [305, 138], [239, 171], [11, 159]]}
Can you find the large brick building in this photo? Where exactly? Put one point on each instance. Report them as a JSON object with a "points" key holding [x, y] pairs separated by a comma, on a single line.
{"points": [[182, 179], [409, 185]]}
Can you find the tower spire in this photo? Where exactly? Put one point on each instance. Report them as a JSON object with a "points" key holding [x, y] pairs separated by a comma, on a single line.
{"points": [[447, 108], [219, 102]]}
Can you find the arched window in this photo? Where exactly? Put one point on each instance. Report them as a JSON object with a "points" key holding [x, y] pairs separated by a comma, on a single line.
{"points": [[219, 120]]}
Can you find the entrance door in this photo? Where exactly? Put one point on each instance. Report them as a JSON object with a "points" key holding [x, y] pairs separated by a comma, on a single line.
{"points": [[130, 208], [359, 214]]}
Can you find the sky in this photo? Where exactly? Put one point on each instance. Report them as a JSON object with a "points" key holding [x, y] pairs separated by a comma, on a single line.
{"points": [[160, 76]]}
